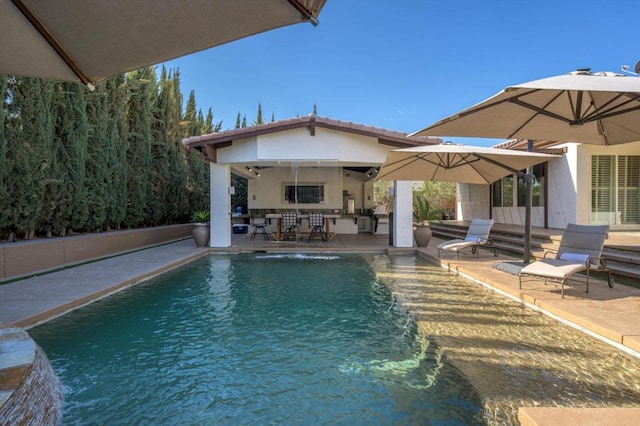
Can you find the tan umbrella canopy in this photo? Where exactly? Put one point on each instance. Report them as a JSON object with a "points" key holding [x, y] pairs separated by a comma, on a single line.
{"points": [[592, 108], [464, 164], [91, 40], [457, 163]]}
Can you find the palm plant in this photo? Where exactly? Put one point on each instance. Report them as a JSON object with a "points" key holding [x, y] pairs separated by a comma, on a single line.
{"points": [[201, 216], [422, 211]]}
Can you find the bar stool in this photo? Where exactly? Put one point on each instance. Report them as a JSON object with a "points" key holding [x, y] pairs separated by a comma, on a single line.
{"points": [[316, 223], [290, 224], [259, 227]]}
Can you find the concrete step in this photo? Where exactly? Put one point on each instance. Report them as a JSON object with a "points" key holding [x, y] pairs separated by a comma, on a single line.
{"points": [[622, 260]]}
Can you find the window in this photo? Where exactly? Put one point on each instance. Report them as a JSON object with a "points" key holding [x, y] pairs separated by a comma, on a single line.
{"points": [[538, 188], [304, 193], [504, 192], [615, 189]]}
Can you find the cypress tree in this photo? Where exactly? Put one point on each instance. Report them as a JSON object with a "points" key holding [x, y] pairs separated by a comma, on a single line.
{"points": [[5, 218], [115, 152], [259, 119], [140, 116], [238, 121], [98, 148], [170, 169], [198, 166], [29, 139], [70, 149]]}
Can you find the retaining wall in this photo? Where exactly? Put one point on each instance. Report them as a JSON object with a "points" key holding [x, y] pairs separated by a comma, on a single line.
{"points": [[29, 257]]}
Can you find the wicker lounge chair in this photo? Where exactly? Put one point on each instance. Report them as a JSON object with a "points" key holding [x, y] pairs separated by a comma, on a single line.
{"points": [[580, 250], [477, 235]]}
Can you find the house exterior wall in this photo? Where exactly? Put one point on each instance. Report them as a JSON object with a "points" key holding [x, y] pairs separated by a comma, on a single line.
{"points": [[568, 190], [562, 190], [267, 190], [298, 145], [472, 201]]}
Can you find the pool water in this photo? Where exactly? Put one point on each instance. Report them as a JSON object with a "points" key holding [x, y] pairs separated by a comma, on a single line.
{"points": [[255, 339]]}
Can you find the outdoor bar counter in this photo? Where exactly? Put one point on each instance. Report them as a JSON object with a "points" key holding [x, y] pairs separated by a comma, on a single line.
{"points": [[330, 219]]}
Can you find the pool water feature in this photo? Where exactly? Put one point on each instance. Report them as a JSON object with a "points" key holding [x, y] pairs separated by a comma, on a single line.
{"points": [[260, 339]]}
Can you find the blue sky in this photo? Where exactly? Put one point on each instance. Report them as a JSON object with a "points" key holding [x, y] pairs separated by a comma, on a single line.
{"points": [[404, 64]]}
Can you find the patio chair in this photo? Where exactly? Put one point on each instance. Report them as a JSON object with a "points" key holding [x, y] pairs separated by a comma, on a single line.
{"points": [[477, 235], [580, 250], [316, 223], [259, 227], [290, 225]]}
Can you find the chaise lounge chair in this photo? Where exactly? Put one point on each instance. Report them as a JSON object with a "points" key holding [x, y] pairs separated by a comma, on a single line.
{"points": [[580, 250], [477, 235]]}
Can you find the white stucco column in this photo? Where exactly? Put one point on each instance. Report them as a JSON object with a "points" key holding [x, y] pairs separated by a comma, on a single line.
{"points": [[403, 214], [220, 224]]}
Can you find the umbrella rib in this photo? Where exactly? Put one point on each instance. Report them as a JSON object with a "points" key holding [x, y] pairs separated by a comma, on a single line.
{"points": [[306, 13], [52, 41], [499, 164], [539, 111], [605, 112]]}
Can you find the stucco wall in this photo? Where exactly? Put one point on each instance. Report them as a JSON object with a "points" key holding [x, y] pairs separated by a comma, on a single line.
{"points": [[562, 193], [267, 191], [472, 201]]}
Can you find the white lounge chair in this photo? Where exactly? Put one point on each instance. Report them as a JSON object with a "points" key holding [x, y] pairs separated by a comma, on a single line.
{"points": [[580, 250], [477, 235]]}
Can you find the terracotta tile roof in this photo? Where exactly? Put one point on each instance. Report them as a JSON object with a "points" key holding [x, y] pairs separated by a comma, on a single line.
{"points": [[388, 137]]}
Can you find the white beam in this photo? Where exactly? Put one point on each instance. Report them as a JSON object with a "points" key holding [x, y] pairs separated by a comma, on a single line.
{"points": [[403, 214], [220, 199]]}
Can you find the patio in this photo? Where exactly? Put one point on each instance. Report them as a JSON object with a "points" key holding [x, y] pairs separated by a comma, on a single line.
{"points": [[609, 314]]}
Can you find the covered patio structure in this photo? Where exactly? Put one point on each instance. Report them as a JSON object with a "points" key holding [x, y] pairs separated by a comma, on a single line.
{"points": [[306, 164]]}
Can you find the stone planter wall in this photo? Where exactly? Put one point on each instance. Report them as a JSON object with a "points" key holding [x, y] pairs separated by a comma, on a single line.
{"points": [[25, 258], [30, 392]]}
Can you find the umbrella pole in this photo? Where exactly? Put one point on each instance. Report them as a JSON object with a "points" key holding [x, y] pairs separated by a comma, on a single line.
{"points": [[528, 179]]}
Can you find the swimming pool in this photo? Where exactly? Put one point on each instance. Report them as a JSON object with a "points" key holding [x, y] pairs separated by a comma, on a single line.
{"points": [[323, 339], [258, 339]]}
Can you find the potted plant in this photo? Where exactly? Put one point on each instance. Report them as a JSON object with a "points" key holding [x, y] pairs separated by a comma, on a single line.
{"points": [[422, 214], [200, 231]]}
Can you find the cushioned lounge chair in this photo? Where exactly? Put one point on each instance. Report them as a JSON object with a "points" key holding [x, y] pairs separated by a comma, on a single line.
{"points": [[580, 250], [477, 235]]}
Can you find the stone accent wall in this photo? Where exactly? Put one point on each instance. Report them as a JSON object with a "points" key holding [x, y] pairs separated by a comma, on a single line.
{"points": [[30, 392]]}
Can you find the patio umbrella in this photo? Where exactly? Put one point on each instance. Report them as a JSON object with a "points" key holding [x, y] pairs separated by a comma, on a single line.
{"points": [[463, 164], [457, 163], [594, 108], [91, 40]]}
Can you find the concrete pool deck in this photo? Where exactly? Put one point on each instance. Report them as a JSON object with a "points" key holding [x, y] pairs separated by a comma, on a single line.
{"points": [[611, 314]]}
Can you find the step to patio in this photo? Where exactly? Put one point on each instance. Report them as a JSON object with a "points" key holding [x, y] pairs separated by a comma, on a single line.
{"points": [[622, 260]]}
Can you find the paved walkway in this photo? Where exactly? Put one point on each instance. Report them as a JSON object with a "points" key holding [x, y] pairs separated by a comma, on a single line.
{"points": [[33, 300], [611, 314]]}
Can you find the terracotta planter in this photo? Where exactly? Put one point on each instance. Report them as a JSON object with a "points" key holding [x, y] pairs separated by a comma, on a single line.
{"points": [[422, 235], [201, 234]]}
